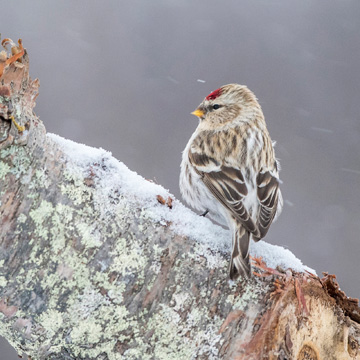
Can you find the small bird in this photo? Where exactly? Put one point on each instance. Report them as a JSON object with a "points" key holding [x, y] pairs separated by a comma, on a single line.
{"points": [[229, 170]]}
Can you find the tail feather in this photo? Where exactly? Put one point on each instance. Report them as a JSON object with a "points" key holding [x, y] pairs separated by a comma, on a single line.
{"points": [[240, 263]]}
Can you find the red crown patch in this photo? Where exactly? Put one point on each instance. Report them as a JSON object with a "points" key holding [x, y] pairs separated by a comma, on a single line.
{"points": [[216, 93]]}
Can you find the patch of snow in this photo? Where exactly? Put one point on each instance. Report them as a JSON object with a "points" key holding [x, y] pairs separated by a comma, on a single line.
{"points": [[116, 176], [275, 255]]}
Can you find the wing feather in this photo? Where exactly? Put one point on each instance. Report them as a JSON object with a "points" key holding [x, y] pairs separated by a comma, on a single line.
{"points": [[227, 185], [268, 196]]}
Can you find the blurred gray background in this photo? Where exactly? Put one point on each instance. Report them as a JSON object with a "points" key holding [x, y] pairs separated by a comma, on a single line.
{"points": [[123, 75]]}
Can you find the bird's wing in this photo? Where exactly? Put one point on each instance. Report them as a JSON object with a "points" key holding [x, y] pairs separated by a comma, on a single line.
{"points": [[268, 195], [227, 185]]}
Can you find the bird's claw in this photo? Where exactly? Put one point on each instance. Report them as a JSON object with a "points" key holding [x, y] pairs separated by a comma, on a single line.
{"points": [[204, 213]]}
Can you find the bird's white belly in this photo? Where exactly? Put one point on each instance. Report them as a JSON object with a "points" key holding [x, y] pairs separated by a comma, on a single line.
{"points": [[198, 196]]}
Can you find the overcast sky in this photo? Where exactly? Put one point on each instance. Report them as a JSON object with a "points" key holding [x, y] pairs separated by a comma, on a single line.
{"points": [[124, 76]]}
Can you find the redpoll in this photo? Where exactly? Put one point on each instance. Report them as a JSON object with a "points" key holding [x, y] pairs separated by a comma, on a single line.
{"points": [[229, 169]]}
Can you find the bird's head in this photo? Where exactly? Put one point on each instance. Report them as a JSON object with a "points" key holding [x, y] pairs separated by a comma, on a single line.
{"points": [[230, 102]]}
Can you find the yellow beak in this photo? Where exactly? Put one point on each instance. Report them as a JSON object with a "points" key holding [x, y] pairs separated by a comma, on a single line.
{"points": [[198, 113]]}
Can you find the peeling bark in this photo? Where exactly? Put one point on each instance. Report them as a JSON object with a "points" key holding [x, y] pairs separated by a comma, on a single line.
{"points": [[82, 281]]}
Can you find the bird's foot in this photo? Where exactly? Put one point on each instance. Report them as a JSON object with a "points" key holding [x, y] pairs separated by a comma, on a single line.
{"points": [[204, 213]]}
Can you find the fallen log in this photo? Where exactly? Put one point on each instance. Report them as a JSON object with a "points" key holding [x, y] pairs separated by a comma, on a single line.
{"points": [[99, 263]]}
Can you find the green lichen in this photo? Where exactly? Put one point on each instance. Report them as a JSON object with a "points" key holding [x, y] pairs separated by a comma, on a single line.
{"points": [[40, 180], [62, 225], [9, 151], [114, 290], [51, 321], [4, 170], [20, 162], [21, 218], [90, 237], [175, 346], [76, 225], [75, 189], [7, 331], [251, 294], [41, 216], [88, 331], [128, 257], [3, 281]]}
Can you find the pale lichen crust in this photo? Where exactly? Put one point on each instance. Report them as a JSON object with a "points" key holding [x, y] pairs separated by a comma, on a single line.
{"points": [[97, 277]]}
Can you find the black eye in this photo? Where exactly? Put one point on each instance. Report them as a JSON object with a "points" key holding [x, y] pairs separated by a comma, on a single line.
{"points": [[216, 106]]}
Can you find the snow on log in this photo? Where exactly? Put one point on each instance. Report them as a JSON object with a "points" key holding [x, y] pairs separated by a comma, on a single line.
{"points": [[98, 263]]}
